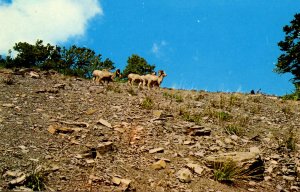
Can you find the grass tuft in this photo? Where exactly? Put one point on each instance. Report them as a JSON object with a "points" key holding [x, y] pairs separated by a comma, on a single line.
{"points": [[36, 180], [234, 130], [147, 103], [226, 172]]}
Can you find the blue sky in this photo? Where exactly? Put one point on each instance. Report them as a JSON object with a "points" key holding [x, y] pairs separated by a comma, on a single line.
{"points": [[213, 45]]}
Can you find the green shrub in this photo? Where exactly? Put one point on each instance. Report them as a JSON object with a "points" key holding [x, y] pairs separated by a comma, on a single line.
{"points": [[223, 116], [187, 116], [227, 171], [233, 130], [178, 98], [147, 103], [36, 181]]}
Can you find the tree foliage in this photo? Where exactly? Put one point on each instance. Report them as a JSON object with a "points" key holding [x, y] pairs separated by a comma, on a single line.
{"points": [[81, 61], [78, 61], [289, 61], [138, 65]]}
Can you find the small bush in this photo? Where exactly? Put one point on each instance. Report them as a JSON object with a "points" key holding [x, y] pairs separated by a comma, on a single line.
{"points": [[234, 100], [199, 97], [187, 116], [287, 110], [9, 80], [234, 130], [114, 88], [227, 171], [131, 91], [290, 141], [293, 96], [147, 103], [36, 181], [223, 116], [178, 98]]}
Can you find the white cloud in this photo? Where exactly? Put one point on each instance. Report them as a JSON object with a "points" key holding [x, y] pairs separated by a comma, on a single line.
{"points": [[50, 20], [157, 48]]}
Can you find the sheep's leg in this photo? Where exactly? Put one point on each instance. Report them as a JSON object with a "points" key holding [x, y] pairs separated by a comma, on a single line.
{"points": [[144, 83], [140, 83], [149, 83]]}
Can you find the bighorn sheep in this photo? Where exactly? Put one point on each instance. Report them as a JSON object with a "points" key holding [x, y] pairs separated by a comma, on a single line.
{"points": [[105, 75], [152, 80], [132, 78]]}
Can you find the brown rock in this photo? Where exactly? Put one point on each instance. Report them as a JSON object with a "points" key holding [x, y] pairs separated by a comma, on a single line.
{"points": [[156, 150], [105, 123], [184, 175], [161, 164], [104, 147]]}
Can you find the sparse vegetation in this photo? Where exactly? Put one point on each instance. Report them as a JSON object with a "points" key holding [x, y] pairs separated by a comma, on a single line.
{"points": [[223, 116], [226, 172], [147, 103], [114, 88], [131, 91], [36, 180], [293, 96], [233, 129], [187, 116], [290, 140], [178, 98], [179, 124], [9, 80]]}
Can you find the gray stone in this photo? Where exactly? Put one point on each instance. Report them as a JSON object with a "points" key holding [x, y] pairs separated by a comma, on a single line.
{"points": [[184, 175]]}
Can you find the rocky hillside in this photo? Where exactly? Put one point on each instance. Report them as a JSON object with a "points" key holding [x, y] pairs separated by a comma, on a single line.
{"points": [[62, 133]]}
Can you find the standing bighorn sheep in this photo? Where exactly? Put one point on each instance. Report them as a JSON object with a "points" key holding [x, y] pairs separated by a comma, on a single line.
{"points": [[136, 78], [152, 80], [105, 75]]}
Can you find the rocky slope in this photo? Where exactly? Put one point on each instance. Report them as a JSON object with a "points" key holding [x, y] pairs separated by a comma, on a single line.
{"points": [[72, 135]]}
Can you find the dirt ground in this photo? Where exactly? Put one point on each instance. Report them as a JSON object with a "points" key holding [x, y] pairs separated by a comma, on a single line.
{"points": [[74, 135]]}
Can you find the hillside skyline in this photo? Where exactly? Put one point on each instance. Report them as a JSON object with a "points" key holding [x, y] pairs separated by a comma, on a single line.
{"points": [[228, 46]]}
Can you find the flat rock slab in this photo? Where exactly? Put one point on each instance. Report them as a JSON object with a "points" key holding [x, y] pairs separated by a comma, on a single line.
{"points": [[156, 150], [199, 131], [105, 123], [249, 162], [235, 156]]}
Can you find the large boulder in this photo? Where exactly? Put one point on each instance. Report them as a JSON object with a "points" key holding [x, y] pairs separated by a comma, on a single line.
{"points": [[250, 163]]}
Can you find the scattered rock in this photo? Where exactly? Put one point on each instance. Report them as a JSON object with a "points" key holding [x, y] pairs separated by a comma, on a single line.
{"points": [[54, 91], [247, 161], [9, 105], [104, 147], [90, 161], [91, 111], [157, 113], [156, 150], [254, 150], [105, 123], [65, 130], [199, 131], [161, 164], [184, 175], [79, 124], [34, 75], [124, 183], [195, 168], [59, 86], [18, 180]]}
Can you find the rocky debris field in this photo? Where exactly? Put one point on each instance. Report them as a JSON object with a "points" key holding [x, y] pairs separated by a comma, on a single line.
{"points": [[61, 133]]}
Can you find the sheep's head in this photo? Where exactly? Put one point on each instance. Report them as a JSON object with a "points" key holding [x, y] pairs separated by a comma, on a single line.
{"points": [[118, 73], [162, 73]]}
